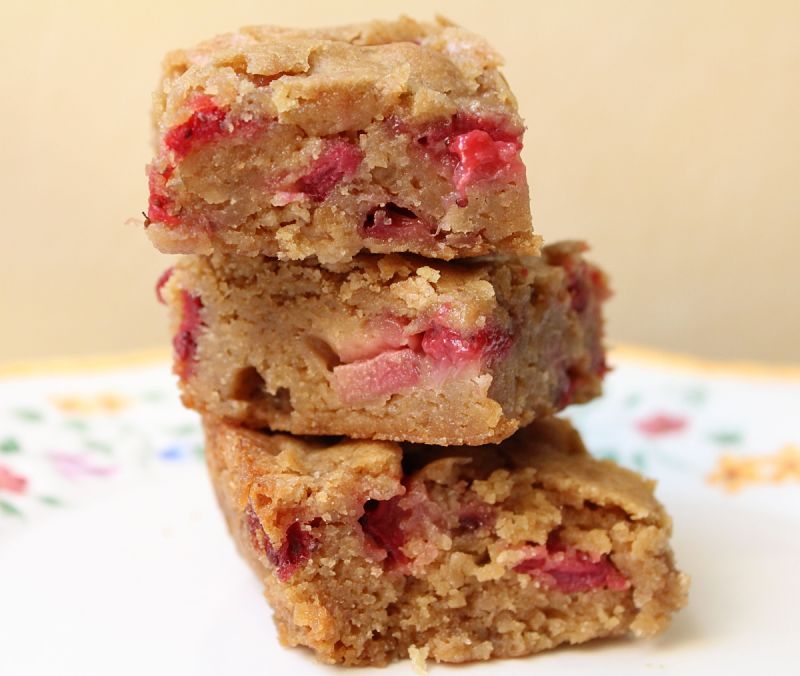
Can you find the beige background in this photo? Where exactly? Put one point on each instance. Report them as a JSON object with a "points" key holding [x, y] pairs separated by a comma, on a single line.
{"points": [[665, 133]]}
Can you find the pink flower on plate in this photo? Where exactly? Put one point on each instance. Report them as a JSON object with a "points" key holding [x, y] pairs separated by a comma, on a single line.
{"points": [[74, 466], [13, 483], [660, 424]]}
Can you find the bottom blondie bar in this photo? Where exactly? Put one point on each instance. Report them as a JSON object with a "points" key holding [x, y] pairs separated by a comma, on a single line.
{"points": [[370, 549]]}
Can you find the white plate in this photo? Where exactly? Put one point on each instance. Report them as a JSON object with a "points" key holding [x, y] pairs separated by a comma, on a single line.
{"points": [[140, 577]]}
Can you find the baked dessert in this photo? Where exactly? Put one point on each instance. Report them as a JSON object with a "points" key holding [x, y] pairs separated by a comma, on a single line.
{"points": [[388, 347], [369, 550], [387, 137]]}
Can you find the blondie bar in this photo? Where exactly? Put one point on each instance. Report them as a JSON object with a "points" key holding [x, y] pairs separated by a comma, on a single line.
{"points": [[387, 137], [388, 347], [368, 549]]}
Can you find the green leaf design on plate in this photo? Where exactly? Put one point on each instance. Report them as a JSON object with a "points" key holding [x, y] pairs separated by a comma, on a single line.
{"points": [[8, 509], [727, 437], [183, 430], [608, 454], [101, 446], [28, 414], [639, 461], [77, 424], [199, 450], [10, 445], [632, 400], [51, 501], [153, 395], [695, 396]]}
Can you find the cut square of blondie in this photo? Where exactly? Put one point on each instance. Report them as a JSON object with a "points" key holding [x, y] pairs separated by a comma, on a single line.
{"points": [[387, 137], [370, 549], [394, 347]]}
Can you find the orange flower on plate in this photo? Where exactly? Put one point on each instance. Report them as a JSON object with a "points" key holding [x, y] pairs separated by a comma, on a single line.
{"points": [[106, 402], [786, 464], [735, 472]]}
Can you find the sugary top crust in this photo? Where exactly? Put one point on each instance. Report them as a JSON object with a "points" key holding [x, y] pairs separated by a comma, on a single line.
{"points": [[333, 80]]}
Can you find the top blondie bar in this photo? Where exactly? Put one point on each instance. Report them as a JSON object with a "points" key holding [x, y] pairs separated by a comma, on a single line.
{"points": [[393, 136]]}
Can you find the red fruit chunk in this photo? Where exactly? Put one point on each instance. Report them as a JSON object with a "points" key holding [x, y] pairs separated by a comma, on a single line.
{"points": [[185, 340], [159, 207], [449, 346], [381, 524], [205, 124], [257, 534], [475, 516], [481, 158], [571, 570], [162, 280], [387, 373], [340, 159], [569, 386], [392, 222], [381, 335], [294, 552], [475, 148], [500, 129], [441, 133], [585, 283]]}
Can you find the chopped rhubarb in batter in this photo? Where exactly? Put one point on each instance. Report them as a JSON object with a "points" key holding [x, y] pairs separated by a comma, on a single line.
{"points": [[159, 207], [569, 386], [472, 517], [446, 345], [381, 524], [162, 280], [185, 340], [438, 135], [294, 552], [570, 570], [387, 333], [374, 366], [206, 123], [481, 158], [586, 282], [391, 222], [339, 160], [476, 148], [387, 373]]}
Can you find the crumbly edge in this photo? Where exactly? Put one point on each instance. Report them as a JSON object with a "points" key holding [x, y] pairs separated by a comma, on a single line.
{"points": [[408, 287], [622, 516]]}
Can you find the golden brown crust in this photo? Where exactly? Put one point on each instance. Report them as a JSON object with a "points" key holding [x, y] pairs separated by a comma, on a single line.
{"points": [[366, 70]]}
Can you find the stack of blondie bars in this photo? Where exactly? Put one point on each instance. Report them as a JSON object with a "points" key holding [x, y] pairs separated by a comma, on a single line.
{"points": [[377, 344]]}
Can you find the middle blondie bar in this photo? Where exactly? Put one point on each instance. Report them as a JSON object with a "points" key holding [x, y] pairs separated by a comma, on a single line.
{"points": [[394, 347]]}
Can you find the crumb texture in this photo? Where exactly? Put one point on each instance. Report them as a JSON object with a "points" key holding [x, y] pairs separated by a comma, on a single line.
{"points": [[394, 347], [393, 136], [447, 554]]}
